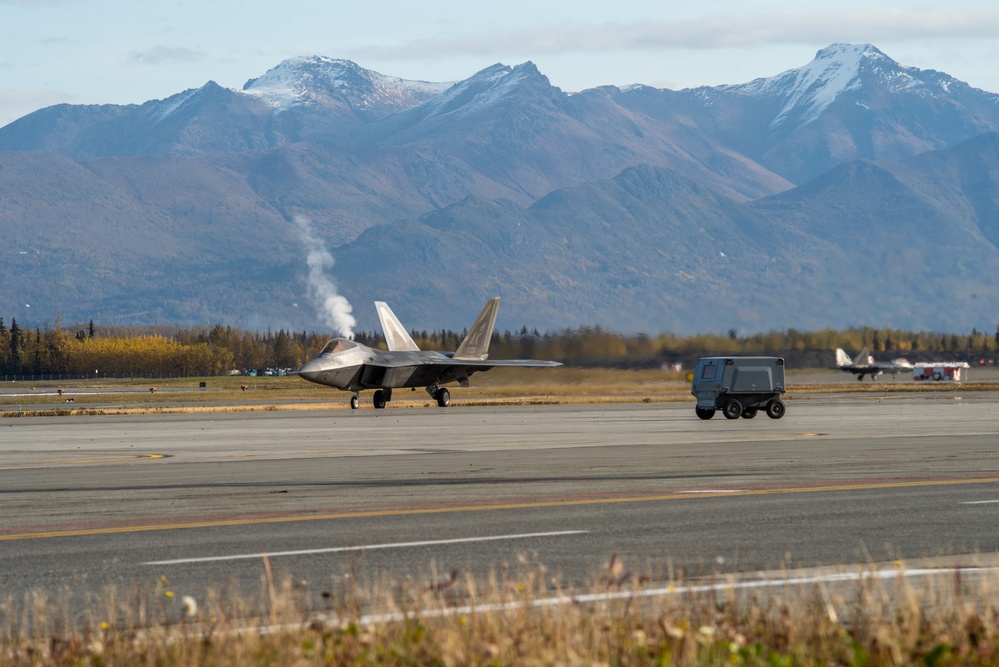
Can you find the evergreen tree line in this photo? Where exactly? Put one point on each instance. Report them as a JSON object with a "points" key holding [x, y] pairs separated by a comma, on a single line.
{"points": [[200, 351]]}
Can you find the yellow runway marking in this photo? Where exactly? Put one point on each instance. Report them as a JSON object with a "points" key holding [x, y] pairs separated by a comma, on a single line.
{"points": [[500, 506], [120, 459], [386, 450]]}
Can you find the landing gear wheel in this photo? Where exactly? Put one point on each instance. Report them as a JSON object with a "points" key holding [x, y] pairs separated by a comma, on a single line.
{"points": [[443, 398], [379, 400], [733, 409], [705, 413], [775, 409], [748, 413], [354, 401]]}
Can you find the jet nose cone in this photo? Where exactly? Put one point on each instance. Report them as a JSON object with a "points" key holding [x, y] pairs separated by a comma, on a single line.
{"points": [[310, 370]]}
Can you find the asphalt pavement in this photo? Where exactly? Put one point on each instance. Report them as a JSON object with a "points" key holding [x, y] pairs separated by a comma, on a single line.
{"points": [[197, 501]]}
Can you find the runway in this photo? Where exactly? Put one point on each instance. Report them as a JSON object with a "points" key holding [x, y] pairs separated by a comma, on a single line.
{"points": [[89, 502]]}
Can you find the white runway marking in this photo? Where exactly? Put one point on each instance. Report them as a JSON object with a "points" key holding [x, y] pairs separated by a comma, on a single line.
{"points": [[714, 491], [980, 502], [365, 547]]}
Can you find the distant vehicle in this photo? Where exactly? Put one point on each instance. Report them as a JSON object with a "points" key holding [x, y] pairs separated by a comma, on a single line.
{"points": [[739, 386], [348, 365], [864, 364], [939, 371]]}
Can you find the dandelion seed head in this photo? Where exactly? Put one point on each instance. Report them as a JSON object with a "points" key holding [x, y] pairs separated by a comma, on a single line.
{"points": [[190, 606]]}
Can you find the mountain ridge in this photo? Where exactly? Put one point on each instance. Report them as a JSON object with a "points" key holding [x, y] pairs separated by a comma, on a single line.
{"points": [[641, 208]]}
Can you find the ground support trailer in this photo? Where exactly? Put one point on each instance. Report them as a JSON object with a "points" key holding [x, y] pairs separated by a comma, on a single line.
{"points": [[739, 386]]}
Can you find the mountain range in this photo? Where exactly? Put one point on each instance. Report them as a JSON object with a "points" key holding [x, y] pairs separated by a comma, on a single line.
{"points": [[851, 191]]}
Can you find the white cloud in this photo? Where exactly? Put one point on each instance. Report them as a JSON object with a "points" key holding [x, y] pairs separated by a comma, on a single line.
{"points": [[745, 30], [165, 54]]}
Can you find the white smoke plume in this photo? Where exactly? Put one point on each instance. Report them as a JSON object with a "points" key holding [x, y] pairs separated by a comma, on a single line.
{"points": [[333, 308]]}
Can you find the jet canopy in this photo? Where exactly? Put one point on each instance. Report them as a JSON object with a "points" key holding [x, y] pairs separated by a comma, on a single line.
{"points": [[338, 345]]}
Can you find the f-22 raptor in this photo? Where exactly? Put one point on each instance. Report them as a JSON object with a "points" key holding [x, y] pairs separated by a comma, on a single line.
{"points": [[350, 366], [864, 364]]}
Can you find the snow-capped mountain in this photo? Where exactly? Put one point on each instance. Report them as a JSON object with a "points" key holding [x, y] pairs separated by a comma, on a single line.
{"points": [[329, 81], [487, 88], [808, 91], [851, 101], [490, 95], [300, 99], [852, 74]]}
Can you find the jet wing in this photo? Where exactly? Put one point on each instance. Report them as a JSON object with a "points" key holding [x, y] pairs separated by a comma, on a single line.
{"points": [[440, 361], [496, 363], [402, 369]]}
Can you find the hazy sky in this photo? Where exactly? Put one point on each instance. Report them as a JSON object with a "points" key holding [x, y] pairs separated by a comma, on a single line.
{"points": [[131, 51]]}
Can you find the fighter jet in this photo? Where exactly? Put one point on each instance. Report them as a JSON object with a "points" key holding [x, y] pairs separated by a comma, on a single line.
{"points": [[864, 364], [348, 365]]}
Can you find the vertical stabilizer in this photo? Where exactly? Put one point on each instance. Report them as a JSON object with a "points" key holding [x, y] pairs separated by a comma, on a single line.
{"points": [[396, 337], [476, 343], [864, 358], [842, 358]]}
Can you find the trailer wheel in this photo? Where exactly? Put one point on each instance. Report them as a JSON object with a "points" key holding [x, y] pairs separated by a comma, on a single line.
{"points": [[748, 413], [705, 413], [776, 409], [733, 409]]}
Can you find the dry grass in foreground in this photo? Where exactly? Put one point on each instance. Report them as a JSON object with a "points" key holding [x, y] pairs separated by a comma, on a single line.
{"points": [[526, 618]]}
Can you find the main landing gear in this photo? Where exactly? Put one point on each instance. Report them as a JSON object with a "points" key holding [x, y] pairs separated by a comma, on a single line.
{"points": [[379, 400], [442, 395], [383, 396], [443, 398]]}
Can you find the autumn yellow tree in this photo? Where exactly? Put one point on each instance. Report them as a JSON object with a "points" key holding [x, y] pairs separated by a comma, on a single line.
{"points": [[143, 355]]}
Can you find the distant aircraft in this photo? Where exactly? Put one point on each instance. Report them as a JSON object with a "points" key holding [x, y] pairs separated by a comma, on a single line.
{"points": [[350, 366], [864, 364]]}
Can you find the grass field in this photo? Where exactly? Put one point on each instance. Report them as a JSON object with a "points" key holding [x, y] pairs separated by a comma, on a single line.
{"points": [[502, 385]]}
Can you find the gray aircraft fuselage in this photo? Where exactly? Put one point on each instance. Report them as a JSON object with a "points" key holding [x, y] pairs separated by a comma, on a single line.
{"points": [[351, 366], [356, 367]]}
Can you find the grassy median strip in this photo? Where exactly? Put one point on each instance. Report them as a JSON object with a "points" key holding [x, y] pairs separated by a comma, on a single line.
{"points": [[502, 386]]}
